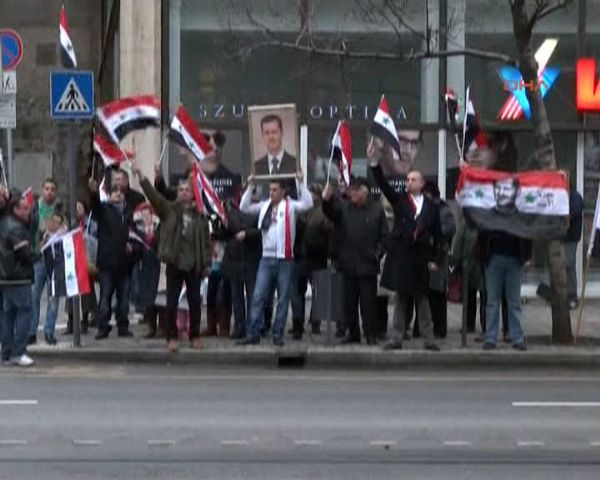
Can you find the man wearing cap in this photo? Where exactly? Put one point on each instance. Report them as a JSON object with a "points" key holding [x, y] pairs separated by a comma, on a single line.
{"points": [[414, 250], [359, 251]]}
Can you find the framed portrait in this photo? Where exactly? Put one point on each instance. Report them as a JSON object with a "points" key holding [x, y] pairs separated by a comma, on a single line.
{"points": [[273, 141]]}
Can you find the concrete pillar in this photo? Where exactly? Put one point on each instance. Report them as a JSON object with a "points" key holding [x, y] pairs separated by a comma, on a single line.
{"points": [[430, 74], [140, 70]]}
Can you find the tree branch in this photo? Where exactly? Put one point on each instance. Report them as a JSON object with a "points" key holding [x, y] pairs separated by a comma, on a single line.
{"points": [[411, 56], [559, 6]]}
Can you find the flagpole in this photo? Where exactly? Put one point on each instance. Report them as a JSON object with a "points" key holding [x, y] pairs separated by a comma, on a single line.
{"points": [[582, 296], [3, 169], [453, 125], [462, 149]]}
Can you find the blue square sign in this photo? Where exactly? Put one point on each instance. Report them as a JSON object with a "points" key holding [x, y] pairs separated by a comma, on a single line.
{"points": [[72, 95]]}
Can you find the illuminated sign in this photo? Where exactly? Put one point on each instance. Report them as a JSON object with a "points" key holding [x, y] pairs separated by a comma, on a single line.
{"points": [[517, 104], [588, 90]]}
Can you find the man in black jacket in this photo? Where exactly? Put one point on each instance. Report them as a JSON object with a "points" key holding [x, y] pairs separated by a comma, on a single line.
{"points": [[414, 251], [358, 254], [16, 277], [113, 260]]}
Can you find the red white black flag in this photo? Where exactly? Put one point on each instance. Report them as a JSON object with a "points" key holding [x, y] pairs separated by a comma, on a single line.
{"points": [[109, 152], [383, 126], [531, 204], [28, 195], [127, 114], [473, 136], [184, 132], [205, 195], [66, 260], [342, 150], [67, 52]]}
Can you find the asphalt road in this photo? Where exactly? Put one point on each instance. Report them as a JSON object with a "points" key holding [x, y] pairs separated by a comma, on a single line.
{"points": [[123, 422]]}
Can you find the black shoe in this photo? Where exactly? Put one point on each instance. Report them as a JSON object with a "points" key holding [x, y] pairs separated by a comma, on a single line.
{"points": [[101, 335], [350, 339], [68, 331], [520, 346], [407, 335], [84, 328], [125, 333], [50, 340], [432, 347], [488, 346], [278, 341], [393, 345], [506, 337], [150, 334], [340, 334], [248, 341], [371, 341], [237, 336], [32, 340], [315, 329], [382, 337], [93, 322], [296, 335]]}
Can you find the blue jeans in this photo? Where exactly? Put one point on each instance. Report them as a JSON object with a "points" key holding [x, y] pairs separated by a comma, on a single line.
{"points": [[16, 319], [503, 273], [272, 273], [109, 282], [40, 278]]}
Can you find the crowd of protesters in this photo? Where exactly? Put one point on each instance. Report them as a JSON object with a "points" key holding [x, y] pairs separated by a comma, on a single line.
{"points": [[270, 242]]}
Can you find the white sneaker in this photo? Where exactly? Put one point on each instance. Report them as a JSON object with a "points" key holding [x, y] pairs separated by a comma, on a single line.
{"points": [[22, 361]]}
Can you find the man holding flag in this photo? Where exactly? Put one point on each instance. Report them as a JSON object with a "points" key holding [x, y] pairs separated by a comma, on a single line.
{"points": [[184, 245]]}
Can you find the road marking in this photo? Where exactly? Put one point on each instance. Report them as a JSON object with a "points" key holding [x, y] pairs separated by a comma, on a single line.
{"points": [[308, 443], [234, 443], [86, 443], [161, 443], [18, 402], [595, 443], [556, 404], [382, 443], [11, 443], [530, 443], [457, 443]]}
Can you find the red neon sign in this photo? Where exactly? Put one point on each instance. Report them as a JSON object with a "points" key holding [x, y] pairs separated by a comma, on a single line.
{"points": [[588, 90]]}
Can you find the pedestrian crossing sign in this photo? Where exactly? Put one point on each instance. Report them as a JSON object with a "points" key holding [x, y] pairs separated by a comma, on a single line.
{"points": [[72, 95]]}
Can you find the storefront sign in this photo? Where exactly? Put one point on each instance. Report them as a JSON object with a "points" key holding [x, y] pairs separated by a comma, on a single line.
{"points": [[517, 103], [587, 89], [225, 111]]}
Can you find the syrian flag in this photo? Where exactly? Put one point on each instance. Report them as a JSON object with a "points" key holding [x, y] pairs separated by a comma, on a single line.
{"points": [[28, 195], [67, 52], [342, 150], [127, 114], [383, 126], [473, 136], [110, 153], [184, 132], [66, 261], [531, 204], [206, 198]]}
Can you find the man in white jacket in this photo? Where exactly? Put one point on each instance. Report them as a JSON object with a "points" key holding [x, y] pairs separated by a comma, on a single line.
{"points": [[277, 223]]}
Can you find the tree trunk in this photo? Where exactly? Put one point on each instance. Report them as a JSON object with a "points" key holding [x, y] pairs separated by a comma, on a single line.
{"points": [[522, 27]]}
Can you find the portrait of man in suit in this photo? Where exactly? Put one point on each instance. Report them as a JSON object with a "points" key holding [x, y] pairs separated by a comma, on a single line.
{"points": [[506, 192], [274, 144]]}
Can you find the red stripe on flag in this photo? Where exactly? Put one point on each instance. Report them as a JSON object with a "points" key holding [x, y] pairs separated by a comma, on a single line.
{"points": [[196, 186], [193, 130], [536, 178], [288, 231], [383, 105], [83, 281], [116, 106]]}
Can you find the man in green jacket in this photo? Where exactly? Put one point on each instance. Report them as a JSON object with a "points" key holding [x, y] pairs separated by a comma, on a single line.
{"points": [[184, 246]]}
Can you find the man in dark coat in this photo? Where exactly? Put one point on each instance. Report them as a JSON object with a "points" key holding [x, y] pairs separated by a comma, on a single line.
{"points": [[413, 251], [360, 249], [114, 258]]}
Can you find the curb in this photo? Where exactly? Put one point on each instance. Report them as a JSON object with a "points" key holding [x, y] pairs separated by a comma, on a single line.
{"points": [[330, 358]]}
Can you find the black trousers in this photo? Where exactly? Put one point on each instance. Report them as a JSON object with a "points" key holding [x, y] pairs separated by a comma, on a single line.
{"points": [[175, 279], [439, 312], [472, 311], [361, 291]]}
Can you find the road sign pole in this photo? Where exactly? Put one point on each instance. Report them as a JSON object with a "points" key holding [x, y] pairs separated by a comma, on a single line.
{"points": [[73, 215], [9, 158]]}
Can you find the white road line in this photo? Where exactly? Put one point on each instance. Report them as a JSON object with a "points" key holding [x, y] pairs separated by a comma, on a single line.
{"points": [[10, 443], [18, 402], [86, 443], [457, 443], [530, 443], [234, 443], [308, 443], [595, 443], [382, 443], [161, 443], [556, 404]]}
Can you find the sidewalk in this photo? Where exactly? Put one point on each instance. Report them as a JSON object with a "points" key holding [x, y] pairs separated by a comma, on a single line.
{"points": [[313, 350]]}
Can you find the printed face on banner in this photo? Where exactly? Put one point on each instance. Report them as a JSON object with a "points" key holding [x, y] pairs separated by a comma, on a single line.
{"points": [[506, 192], [273, 140]]}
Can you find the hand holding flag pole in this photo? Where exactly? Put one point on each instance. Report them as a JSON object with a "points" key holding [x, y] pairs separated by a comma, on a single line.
{"points": [[337, 129], [452, 113]]}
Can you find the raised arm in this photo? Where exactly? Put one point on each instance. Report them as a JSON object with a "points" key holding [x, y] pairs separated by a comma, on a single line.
{"points": [[160, 203], [305, 200], [331, 205], [388, 192], [246, 204]]}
